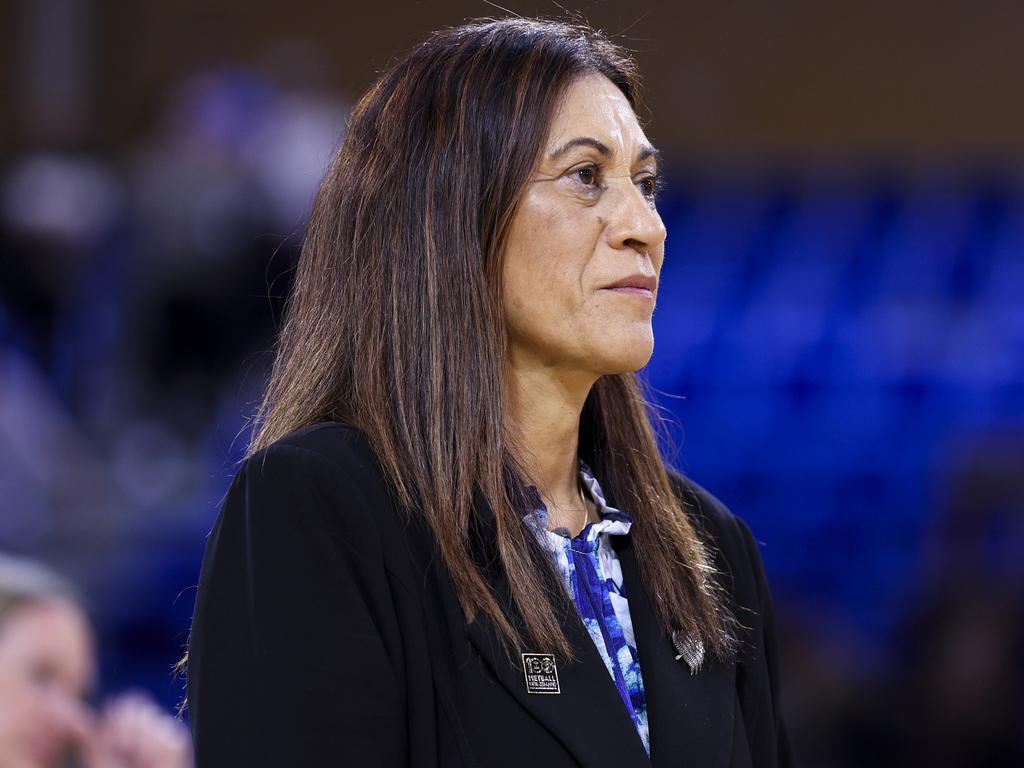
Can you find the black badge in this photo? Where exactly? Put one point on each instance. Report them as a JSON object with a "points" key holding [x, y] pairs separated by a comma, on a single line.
{"points": [[541, 674]]}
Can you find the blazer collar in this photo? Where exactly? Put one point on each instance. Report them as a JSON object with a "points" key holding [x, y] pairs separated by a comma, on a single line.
{"points": [[691, 717]]}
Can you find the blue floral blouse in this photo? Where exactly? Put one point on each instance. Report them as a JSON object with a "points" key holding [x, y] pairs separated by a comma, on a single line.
{"points": [[591, 574]]}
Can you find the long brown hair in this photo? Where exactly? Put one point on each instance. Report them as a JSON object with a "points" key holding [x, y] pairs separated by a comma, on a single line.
{"points": [[394, 323]]}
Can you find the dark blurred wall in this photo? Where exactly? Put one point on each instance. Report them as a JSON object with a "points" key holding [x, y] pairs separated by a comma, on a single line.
{"points": [[797, 82]]}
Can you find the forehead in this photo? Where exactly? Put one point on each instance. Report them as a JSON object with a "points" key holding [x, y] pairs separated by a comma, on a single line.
{"points": [[593, 106]]}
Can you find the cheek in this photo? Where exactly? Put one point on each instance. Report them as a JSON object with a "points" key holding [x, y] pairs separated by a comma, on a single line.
{"points": [[542, 296], [22, 706], [549, 247]]}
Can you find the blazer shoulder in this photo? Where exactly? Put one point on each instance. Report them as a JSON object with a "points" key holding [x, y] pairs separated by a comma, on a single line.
{"points": [[730, 535], [704, 508], [324, 475], [339, 443]]}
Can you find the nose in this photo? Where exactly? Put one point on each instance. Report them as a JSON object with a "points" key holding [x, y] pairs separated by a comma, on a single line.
{"points": [[635, 222]]}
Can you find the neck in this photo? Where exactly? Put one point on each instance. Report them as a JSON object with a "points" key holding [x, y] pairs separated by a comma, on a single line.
{"points": [[544, 413]]}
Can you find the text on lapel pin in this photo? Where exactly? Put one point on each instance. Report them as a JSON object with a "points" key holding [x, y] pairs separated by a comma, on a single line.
{"points": [[541, 673]]}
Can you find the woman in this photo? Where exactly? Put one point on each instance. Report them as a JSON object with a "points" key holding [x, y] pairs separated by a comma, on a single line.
{"points": [[47, 669], [453, 541]]}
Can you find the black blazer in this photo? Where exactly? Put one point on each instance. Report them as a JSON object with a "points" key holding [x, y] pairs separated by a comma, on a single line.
{"points": [[327, 633]]}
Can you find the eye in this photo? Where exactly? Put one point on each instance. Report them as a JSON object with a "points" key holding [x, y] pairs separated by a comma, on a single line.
{"points": [[587, 175], [42, 674], [650, 186]]}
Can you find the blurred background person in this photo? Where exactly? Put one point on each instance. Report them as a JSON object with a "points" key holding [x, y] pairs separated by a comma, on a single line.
{"points": [[47, 675]]}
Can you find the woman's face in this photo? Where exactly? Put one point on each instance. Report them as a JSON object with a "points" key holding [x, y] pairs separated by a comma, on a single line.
{"points": [[46, 668], [585, 247]]}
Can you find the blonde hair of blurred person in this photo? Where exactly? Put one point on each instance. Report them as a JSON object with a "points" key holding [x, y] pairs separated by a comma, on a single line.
{"points": [[47, 673]]}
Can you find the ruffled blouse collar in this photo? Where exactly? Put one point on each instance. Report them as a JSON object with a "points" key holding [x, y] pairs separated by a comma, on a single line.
{"points": [[612, 521]]}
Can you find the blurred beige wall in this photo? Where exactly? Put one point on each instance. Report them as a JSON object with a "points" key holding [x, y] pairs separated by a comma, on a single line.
{"points": [[806, 82]]}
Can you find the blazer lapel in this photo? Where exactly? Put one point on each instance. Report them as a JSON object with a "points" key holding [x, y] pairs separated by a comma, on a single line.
{"points": [[588, 717], [690, 716]]}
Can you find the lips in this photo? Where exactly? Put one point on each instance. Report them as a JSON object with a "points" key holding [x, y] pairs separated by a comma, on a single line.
{"points": [[639, 284]]}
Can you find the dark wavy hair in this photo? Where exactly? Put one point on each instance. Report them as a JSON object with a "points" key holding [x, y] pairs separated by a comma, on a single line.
{"points": [[395, 326]]}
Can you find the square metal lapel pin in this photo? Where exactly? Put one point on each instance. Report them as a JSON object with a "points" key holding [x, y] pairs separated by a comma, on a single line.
{"points": [[541, 673]]}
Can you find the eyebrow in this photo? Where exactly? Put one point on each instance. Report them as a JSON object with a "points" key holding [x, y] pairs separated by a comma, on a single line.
{"points": [[603, 149]]}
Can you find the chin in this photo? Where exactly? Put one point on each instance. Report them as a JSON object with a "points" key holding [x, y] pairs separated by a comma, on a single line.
{"points": [[627, 353]]}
